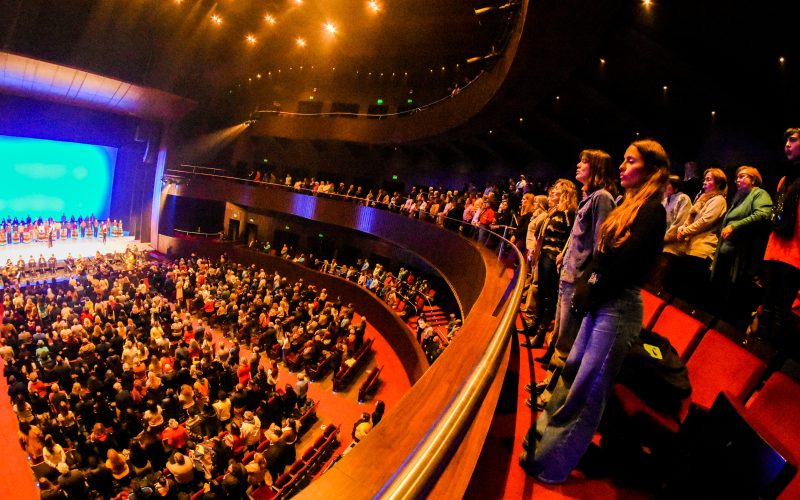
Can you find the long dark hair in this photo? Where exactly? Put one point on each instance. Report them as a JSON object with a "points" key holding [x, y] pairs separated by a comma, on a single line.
{"points": [[603, 173], [784, 211]]}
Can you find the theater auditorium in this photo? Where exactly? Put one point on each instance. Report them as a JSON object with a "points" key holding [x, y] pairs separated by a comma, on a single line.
{"points": [[399, 249]]}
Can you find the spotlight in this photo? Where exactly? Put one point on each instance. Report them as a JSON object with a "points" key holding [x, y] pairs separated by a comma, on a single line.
{"points": [[330, 28], [374, 6], [251, 39], [216, 19], [269, 18], [301, 42]]}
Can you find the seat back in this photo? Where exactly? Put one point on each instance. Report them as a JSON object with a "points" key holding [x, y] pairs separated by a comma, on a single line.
{"points": [[652, 306], [282, 481], [720, 364], [683, 329], [308, 454], [776, 407], [727, 456]]}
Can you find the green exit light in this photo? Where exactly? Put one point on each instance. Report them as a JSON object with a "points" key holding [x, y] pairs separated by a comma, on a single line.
{"points": [[321, 235], [286, 227], [266, 160], [379, 101], [409, 101], [394, 177], [311, 98]]}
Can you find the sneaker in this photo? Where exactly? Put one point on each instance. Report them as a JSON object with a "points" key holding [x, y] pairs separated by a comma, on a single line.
{"points": [[540, 387], [528, 387]]}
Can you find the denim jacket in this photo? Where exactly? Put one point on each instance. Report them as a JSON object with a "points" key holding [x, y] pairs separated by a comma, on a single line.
{"points": [[592, 212]]}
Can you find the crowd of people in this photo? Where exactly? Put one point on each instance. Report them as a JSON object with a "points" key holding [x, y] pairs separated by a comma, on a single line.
{"points": [[404, 291], [15, 231], [153, 378]]}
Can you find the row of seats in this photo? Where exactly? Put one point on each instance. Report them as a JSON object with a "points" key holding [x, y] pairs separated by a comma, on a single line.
{"points": [[722, 364], [348, 371], [303, 469]]}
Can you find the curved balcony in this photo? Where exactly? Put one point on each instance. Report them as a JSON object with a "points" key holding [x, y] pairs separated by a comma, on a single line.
{"points": [[546, 44], [429, 442]]}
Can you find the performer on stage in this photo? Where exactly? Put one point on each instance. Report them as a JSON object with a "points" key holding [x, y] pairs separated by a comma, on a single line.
{"points": [[53, 263]]}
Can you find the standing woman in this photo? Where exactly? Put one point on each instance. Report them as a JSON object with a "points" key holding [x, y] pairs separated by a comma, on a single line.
{"points": [[742, 242], [608, 294], [699, 233], [782, 258], [598, 175], [563, 200]]}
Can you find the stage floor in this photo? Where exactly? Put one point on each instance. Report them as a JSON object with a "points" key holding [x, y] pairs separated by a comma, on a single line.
{"points": [[62, 248]]}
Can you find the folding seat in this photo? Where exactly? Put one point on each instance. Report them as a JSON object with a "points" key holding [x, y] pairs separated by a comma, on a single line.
{"points": [[683, 329], [330, 430], [652, 305], [776, 407], [727, 454], [719, 363], [308, 455]]}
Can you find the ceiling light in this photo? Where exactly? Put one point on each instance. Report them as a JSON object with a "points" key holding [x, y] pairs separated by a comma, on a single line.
{"points": [[374, 6], [251, 39], [269, 18], [301, 42], [216, 19], [330, 28]]}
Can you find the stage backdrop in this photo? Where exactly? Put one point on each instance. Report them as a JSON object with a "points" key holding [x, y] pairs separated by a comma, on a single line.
{"points": [[50, 178]]}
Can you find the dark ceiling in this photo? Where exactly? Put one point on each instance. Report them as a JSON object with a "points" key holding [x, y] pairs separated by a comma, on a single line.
{"points": [[701, 76]]}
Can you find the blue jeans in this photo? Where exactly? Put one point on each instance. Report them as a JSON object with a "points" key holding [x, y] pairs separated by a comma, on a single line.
{"points": [[568, 324], [572, 416]]}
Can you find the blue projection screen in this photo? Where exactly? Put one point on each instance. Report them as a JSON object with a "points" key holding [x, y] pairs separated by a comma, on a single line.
{"points": [[41, 178]]}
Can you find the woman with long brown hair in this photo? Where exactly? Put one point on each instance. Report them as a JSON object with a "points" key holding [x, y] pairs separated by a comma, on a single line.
{"points": [[552, 239], [598, 175], [608, 296]]}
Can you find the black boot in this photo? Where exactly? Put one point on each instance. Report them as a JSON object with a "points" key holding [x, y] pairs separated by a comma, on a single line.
{"points": [[545, 358]]}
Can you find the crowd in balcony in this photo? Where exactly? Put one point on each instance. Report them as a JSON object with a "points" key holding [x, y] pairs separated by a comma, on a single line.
{"points": [[161, 378]]}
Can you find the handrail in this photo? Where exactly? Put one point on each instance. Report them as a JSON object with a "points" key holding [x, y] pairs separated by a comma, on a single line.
{"points": [[311, 192], [418, 472], [218, 233]]}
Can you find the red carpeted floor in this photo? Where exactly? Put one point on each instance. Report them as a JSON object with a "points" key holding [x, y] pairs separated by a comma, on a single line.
{"points": [[498, 475], [17, 482]]}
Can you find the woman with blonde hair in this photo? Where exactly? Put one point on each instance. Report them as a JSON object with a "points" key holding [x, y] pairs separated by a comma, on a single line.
{"points": [[608, 296], [699, 235], [550, 242]]}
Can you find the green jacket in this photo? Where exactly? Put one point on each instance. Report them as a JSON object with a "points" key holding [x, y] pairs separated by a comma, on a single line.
{"points": [[748, 216]]}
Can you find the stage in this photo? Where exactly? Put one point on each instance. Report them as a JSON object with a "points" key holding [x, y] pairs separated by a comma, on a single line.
{"points": [[61, 248]]}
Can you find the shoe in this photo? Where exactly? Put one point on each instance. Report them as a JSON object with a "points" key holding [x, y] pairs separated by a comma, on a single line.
{"points": [[541, 403], [540, 387], [528, 387], [533, 343], [525, 464], [544, 358], [529, 403]]}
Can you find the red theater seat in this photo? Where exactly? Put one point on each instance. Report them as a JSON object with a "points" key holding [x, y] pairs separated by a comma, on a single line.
{"points": [[652, 306], [776, 407], [719, 363], [683, 329]]}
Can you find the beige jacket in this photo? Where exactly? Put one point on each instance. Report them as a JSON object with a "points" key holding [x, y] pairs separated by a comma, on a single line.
{"points": [[700, 233]]}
